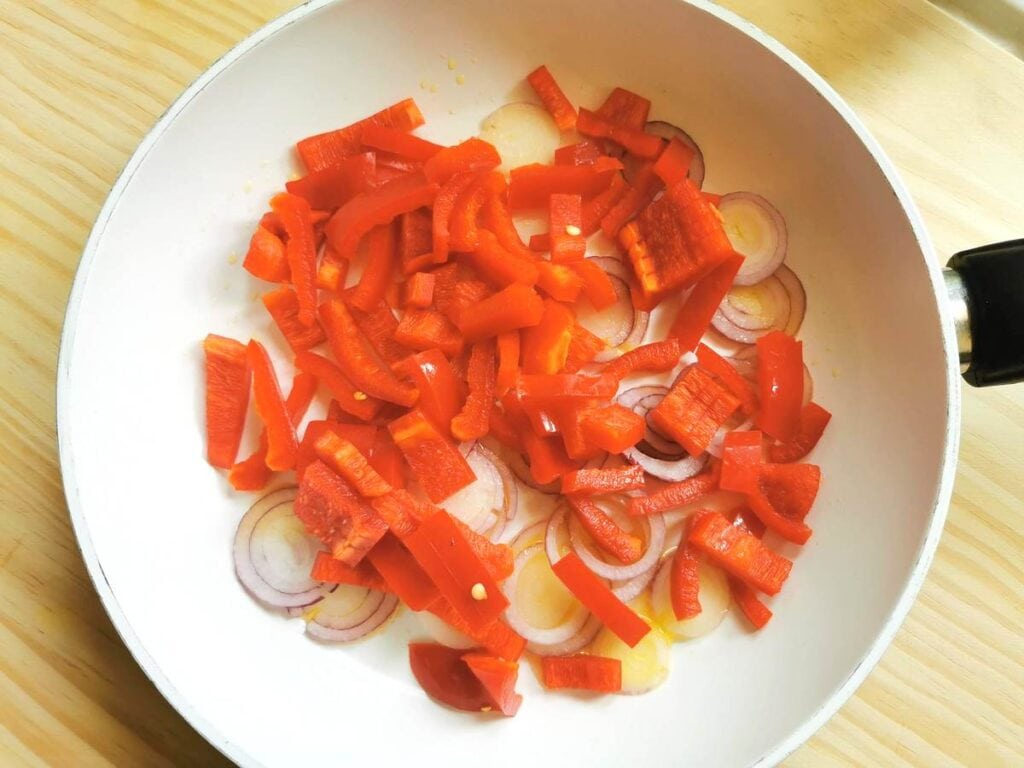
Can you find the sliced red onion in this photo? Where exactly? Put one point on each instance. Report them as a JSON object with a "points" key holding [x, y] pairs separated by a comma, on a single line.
{"points": [[559, 634], [670, 471], [339, 621], [508, 483], [621, 325], [749, 312], [655, 525], [552, 546], [273, 553], [295, 611], [797, 298], [481, 504], [756, 230], [575, 643], [669, 131], [631, 588]]}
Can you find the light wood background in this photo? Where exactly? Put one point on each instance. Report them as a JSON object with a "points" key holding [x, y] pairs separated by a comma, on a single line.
{"points": [[80, 84]]}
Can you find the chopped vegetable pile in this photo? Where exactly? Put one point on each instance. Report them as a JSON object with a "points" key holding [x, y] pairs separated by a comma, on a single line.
{"points": [[506, 448]]}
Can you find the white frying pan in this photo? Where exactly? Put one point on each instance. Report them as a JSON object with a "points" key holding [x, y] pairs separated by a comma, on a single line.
{"points": [[155, 523]]}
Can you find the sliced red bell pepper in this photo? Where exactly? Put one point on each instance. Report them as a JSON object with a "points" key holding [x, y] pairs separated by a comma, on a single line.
{"points": [[624, 546], [746, 520], [531, 186], [658, 356], [300, 249], [266, 257], [402, 511], [331, 510], [462, 579], [342, 390], [379, 270], [499, 266], [635, 198], [633, 140], [546, 345], [444, 207], [458, 296], [780, 378], [756, 612], [559, 281], [618, 617], [327, 569], [498, 677], [423, 329], [345, 459], [714, 363], [331, 274], [471, 156], [415, 239], [463, 227], [684, 582], [441, 393], [582, 673], [379, 326], [567, 416], [583, 348], [548, 460], [272, 223], [445, 677], [402, 573], [790, 488], [597, 286], [360, 435], [742, 460], [739, 553], [613, 428], [693, 410], [673, 165], [514, 307], [674, 495], [553, 98], [283, 306], [496, 638], [281, 442], [375, 208], [584, 152], [228, 374], [598, 482], [565, 385], [601, 204], [399, 142], [385, 457], [813, 420], [498, 219], [357, 359], [791, 529], [498, 559], [327, 149], [508, 362], [336, 184], [695, 314], [419, 290], [565, 222], [625, 108], [438, 465], [473, 421]]}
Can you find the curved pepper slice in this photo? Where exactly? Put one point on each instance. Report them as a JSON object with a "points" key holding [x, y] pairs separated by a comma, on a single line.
{"points": [[441, 392], [531, 186], [584, 348], [499, 266], [444, 208], [300, 249], [756, 612], [266, 257], [399, 142], [675, 495], [514, 307], [379, 270], [227, 397], [634, 140], [624, 546], [424, 329], [508, 362], [559, 281], [657, 356], [498, 219], [597, 285], [341, 389], [813, 420], [282, 445], [415, 239], [445, 677], [471, 156], [553, 98], [335, 185], [473, 421], [641, 191], [565, 385]]}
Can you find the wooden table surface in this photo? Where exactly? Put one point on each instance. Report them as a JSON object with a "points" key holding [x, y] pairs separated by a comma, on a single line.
{"points": [[81, 81]]}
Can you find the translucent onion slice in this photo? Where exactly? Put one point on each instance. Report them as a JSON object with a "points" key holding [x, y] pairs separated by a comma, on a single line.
{"points": [[797, 298], [481, 504], [621, 325], [522, 133], [540, 608], [644, 666], [757, 230], [350, 613]]}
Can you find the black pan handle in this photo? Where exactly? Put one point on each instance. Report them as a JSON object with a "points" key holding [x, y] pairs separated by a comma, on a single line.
{"points": [[986, 287]]}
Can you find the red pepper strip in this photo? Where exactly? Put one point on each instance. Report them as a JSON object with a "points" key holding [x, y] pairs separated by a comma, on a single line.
{"points": [[625, 108], [694, 315], [387, 460], [684, 582], [508, 362], [498, 219], [642, 190], [497, 558], [598, 482], [602, 602], [497, 265], [335, 185], [270, 222], [693, 410], [399, 142], [780, 378], [597, 286], [435, 462], [266, 257], [582, 673], [756, 612], [790, 488], [583, 348], [281, 442], [444, 207], [739, 553], [553, 98], [378, 272], [356, 358], [441, 550], [744, 519], [790, 529], [565, 385], [567, 416], [465, 235], [504, 430], [584, 152], [283, 306], [360, 435], [419, 290], [379, 326], [540, 242], [559, 281], [496, 638], [601, 204], [633, 140], [546, 345], [548, 460], [471, 156], [375, 208], [326, 568], [742, 458], [624, 546], [300, 248], [613, 428], [441, 393], [714, 363], [345, 459], [445, 677], [228, 374], [514, 307], [415, 238], [332, 511], [402, 573], [675, 495], [531, 186], [464, 293], [327, 149], [565, 221], [331, 274], [673, 164], [473, 421], [423, 329], [658, 356], [341, 389], [402, 511], [498, 677], [813, 420]]}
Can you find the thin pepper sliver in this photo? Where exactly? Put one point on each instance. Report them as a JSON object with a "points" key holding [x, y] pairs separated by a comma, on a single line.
{"points": [[327, 149], [345, 459], [381, 258], [227, 397], [473, 421], [283, 306], [341, 389], [618, 617], [553, 98], [402, 573], [282, 445], [300, 249], [675, 495], [582, 673]]}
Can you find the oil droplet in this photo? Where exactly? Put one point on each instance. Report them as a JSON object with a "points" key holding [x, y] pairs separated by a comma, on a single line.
{"points": [[460, 79], [232, 258], [452, 64]]}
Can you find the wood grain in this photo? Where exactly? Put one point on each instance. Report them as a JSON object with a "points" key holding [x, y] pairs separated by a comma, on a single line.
{"points": [[81, 82]]}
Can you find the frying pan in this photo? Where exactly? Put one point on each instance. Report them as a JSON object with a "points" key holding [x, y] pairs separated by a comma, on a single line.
{"points": [[886, 345]]}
